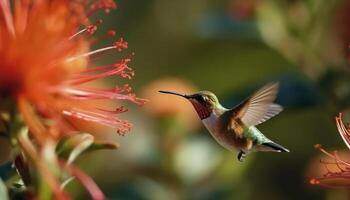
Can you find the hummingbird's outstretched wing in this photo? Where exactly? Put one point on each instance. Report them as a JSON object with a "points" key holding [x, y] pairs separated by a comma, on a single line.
{"points": [[259, 107]]}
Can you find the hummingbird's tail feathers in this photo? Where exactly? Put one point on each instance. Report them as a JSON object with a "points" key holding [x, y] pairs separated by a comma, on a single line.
{"points": [[275, 147]]}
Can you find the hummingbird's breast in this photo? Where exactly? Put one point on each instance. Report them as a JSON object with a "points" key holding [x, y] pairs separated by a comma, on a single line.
{"points": [[214, 126]]}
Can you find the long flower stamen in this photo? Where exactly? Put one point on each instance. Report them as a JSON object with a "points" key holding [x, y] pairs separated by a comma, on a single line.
{"points": [[343, 131], [89, 29], [21, 16], [100, 94], [119, 45], [90, 53], [6, 11], [100, 117]]}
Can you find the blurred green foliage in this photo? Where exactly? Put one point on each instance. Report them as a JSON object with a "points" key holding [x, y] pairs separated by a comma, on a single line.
{"points": [[231, 48]]}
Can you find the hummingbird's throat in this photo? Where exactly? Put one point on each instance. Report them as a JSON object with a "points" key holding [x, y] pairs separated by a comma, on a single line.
{"points": [[203, 111]]}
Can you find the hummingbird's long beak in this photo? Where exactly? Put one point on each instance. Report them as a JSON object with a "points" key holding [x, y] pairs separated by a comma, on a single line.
{"points": [[174, 93]]}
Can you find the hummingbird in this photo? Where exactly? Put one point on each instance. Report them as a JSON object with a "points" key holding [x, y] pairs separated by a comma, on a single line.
{"points": [[235, 128]]}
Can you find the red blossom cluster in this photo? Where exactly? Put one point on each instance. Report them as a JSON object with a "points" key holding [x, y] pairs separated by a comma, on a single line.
{"points": [[46, 48]]}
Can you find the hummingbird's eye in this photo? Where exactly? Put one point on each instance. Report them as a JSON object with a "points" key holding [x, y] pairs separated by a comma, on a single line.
{"points": [[201, 99]]}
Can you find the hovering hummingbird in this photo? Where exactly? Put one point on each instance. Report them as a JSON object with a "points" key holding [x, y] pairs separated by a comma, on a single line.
{"points": [[235, 128]]}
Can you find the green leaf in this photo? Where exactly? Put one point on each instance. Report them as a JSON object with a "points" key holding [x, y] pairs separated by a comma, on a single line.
{"points": [[72, 147], [99, 145]]}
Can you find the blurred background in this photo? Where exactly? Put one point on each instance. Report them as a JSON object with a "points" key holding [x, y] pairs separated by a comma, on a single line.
{"points": [[230, 47]]}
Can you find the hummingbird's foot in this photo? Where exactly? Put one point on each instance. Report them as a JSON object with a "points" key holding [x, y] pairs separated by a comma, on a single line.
{"points": [[241, 155]]}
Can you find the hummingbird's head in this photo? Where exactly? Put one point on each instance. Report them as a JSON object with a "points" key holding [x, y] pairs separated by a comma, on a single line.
{"points": [[204, 102]]}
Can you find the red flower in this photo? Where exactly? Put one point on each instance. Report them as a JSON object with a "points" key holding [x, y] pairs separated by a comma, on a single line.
{"points": [[45, 53], [338, 170], [44, 64]]}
